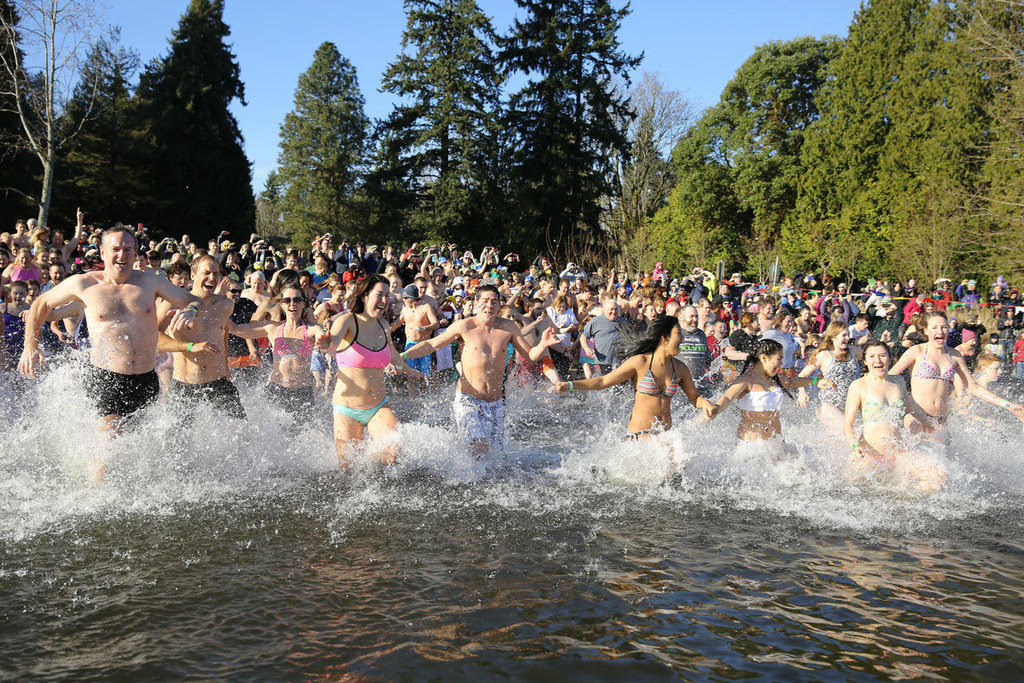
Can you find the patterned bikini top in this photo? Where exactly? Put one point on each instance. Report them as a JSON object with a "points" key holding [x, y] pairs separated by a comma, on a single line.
{"points": [[926, 370], [648, 386]]}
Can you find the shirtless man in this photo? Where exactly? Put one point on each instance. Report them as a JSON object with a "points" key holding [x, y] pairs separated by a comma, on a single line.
{"points": [[120, 307], [479, 408], [420, 322], [204, 376]]}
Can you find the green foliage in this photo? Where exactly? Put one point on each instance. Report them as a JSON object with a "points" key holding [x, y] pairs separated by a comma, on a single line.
{"points": [[738, 168], [566, 122], [322, 142], [198, 176], [444, 133], [16, 165], [99, 167]]}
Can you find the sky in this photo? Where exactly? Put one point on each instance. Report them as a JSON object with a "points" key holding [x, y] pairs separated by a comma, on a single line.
{"points": [[694, 45]]}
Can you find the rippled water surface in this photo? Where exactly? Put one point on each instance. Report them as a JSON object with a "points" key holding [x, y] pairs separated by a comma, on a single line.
{"points": [[221, 550]]}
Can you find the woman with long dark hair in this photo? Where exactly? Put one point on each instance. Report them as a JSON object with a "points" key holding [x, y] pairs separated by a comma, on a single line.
{"points": [[365, 350], [758, 393], [657, 376]]}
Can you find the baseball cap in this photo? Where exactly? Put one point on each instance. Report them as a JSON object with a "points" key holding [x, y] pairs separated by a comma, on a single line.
{"points": [[411, 292]]}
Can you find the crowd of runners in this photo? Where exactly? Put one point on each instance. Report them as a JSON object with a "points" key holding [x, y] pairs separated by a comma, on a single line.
{"points": [[337, 327]]}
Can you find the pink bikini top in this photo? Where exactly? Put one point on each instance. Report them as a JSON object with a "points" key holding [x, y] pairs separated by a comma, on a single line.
{"points": [[284, 346], [358, 356], [927, 370]]}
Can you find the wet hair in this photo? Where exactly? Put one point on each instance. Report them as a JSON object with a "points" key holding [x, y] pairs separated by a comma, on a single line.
{"points": [[935, 314], [486, 288], [765, 347], [177, 268], [357, 299], [286, 277], [871, 344], [657, 330], [201, 260], [120, 227]]}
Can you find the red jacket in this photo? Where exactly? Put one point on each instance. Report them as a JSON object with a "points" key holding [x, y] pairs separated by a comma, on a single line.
{"points": [[1018, 351]]}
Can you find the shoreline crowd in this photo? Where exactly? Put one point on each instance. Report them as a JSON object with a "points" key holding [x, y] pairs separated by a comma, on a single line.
{"points": [[168, 319]]}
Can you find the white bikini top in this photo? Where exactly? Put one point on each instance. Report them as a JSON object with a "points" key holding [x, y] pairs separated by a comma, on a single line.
{"points": [[761, 401]]}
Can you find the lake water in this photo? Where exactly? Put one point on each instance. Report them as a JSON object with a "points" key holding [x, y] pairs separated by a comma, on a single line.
{"points": [[222, 550]]}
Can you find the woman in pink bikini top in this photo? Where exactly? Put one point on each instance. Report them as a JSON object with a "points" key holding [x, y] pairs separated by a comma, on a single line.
{"points": [[292, 343], [935, 367], [364, 349]]}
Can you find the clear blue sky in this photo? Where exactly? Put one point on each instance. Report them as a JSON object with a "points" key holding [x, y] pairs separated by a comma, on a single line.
{"points": [[695, 45]]}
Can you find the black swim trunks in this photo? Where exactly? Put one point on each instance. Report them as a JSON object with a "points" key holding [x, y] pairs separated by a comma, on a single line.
{"points": [[121, 395], [220, 393]]}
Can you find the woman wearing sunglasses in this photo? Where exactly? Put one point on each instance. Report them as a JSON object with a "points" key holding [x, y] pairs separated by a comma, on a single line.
{"points": [[291, 345]]}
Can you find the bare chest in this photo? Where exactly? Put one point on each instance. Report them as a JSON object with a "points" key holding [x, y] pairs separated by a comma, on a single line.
{"points": [[110, 303]]}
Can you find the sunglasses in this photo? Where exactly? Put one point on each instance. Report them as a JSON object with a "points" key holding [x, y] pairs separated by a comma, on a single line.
{"points": [[235, 291], [292, 300]]}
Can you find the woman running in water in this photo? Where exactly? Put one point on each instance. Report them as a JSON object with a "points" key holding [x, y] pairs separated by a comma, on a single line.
{"points": [[883, 403], [758, 393], [934, 367], [839, 362], [291, 345], [366, 349], [657, 375]]}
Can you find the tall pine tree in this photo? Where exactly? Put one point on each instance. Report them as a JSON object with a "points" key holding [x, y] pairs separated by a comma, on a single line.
{"points": [[322, 142], [200, 177], [101, 163], [568, 119], [16, 169], [449, 85]]}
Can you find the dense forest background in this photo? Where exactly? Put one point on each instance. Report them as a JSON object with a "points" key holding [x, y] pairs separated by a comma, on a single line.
{"points": [[894, 150]]}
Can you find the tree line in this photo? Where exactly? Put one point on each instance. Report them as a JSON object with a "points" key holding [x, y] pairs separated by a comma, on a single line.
{"points": [[893, 150]]}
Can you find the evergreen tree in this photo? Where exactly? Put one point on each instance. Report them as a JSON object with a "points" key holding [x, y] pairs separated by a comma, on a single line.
{"points": [[841, 157], [199, 176], [568, 119], [101, 163], [16, 169], [322, 141], [449, 84]]}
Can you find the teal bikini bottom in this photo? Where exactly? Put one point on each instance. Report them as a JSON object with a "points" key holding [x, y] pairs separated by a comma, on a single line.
{"points": [[360, 415]]}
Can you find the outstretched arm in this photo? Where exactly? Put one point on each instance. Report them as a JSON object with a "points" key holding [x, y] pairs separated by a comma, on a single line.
{"points": [[734, 392], [534, 353], [428, 346], [853, 397], [905, 361], [690, 388], [624, 372], [981, 392], [64, 293]]}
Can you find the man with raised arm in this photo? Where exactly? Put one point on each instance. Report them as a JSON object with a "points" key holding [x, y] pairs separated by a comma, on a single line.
{"points": [[119, 304], [479, 408]]}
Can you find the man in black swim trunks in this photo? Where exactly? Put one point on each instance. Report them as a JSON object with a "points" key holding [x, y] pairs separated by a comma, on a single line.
{"points": [[205, 377], [120, 308]]}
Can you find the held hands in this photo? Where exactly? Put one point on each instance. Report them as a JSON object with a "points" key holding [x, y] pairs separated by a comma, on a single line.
{"points": [[562, 387], [204, 347]]}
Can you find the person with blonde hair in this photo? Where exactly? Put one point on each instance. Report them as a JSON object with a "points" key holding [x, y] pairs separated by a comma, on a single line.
{"points": [[839, 362]]}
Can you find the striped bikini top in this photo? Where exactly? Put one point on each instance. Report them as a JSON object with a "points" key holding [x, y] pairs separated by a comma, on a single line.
{"points": [[648, 386]]}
